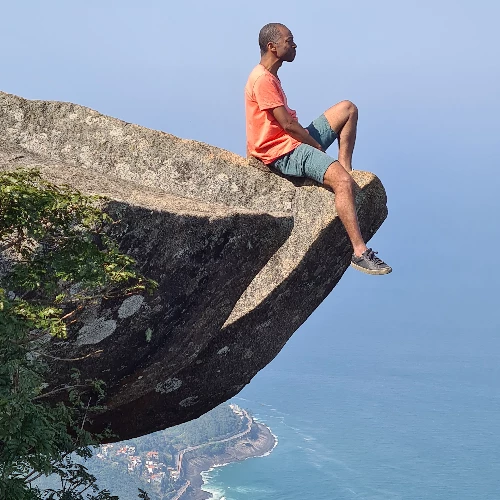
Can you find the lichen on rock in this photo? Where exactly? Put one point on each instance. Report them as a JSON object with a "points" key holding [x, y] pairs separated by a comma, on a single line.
{"points": [[130, 306], [95, 332]]}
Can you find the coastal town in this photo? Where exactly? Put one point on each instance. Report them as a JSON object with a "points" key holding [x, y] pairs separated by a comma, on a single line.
{"points": [[176, 476], [150, 469]]}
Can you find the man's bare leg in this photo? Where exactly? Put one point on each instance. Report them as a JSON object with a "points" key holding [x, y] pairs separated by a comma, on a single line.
{"points": [[343, 118], [341, 183]]}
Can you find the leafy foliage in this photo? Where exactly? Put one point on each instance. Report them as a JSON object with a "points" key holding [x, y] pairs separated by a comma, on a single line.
{"points": [[55, 257], [63, 256]]}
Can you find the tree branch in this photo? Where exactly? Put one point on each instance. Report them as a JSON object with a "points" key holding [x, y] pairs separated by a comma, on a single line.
{"points": [[61, 389], [68, 359]]}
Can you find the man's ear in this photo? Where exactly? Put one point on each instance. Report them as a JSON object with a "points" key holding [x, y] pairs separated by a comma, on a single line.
{"points": [[271, 47]]}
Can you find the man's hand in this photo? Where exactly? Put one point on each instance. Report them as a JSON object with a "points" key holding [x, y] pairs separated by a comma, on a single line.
{"points": [[293, 128]]}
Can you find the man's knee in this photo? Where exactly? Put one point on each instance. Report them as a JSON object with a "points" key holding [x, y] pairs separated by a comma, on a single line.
{"points": [[350, 108], [340, 114], [337, 178]]}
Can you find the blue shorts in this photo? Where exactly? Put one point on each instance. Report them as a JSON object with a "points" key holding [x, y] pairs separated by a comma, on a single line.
{"points": [[306, 161]]}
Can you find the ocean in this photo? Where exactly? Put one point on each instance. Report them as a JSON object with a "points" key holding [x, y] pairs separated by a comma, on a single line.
{"points": [[380, 414]]}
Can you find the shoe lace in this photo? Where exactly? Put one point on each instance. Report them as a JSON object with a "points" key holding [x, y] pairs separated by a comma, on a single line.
{"points": [[371, 255]]}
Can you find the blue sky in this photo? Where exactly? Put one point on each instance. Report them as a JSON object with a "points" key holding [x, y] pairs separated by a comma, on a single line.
{"points": [[425, 76]]}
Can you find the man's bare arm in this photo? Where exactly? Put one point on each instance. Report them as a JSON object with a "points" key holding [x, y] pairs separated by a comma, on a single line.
{"points": [[293, 128]]}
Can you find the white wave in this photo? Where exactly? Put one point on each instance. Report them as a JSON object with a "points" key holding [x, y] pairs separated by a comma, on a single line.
{"points": [[296, 429], [206, 472], [217, 491], [309, 438], [351, 491], [246, 490]]}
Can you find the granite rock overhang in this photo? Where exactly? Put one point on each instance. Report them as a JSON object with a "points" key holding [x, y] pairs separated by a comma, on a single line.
{"points": [[242, 256]]}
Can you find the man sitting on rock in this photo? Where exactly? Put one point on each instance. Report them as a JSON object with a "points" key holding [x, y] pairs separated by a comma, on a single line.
{"points": [[275, 137]]}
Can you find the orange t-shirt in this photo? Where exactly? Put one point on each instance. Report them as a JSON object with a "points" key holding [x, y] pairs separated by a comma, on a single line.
{"points": [[266, 139]]}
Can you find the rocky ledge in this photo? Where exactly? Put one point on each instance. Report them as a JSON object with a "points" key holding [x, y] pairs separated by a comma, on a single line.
{"points": [[242, 256]]}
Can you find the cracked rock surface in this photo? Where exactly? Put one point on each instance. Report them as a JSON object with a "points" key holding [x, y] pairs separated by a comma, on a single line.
{"points": [[242, 256]]}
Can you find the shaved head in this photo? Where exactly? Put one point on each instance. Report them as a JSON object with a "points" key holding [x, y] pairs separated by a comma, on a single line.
{"points": [[270, 33]]}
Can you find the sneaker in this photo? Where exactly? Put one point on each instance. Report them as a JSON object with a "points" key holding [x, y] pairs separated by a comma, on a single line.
{"points": [[369, 263]]}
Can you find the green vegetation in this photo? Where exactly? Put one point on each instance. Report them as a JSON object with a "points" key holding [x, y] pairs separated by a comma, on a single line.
{"points": [[219, 423], [55, 258]]}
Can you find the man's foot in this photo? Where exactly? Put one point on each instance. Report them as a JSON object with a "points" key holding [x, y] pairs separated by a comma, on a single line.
{"points": [[369, 263]]}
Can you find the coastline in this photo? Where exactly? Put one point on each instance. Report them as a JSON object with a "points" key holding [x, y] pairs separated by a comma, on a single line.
{"points": [[259, 442]]}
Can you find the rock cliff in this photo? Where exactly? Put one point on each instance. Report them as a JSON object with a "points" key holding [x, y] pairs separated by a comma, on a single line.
{"points": [[242, 257]]}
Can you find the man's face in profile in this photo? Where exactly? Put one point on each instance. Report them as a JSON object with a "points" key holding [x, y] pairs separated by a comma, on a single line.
{"points": [[286, 48]]}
